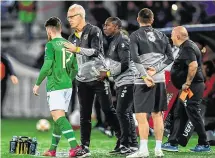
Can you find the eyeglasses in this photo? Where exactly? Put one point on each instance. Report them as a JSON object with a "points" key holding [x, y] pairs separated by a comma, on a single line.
{"points": [[104, 25], [70, 17]]}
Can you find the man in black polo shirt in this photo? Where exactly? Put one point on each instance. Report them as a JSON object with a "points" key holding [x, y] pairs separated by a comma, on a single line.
{"points": [[186, 75], [86, 44]]}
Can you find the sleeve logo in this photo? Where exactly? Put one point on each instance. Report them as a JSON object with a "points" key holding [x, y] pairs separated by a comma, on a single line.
{"points": [[85, 37]]}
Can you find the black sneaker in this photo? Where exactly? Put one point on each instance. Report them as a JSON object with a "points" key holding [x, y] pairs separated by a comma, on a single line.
{"points": [[83, 152], [125, 150], [116, 150]]}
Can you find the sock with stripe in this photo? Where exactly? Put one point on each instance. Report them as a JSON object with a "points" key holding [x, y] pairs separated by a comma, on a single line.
{"points": [[56, 135], [67, 131]]}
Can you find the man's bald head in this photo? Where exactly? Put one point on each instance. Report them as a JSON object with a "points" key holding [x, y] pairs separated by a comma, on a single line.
{"points": [[181, 31], [179, 35]]}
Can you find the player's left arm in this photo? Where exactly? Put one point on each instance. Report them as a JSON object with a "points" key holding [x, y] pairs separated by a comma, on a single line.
{"points": [[192, 65], [96, 43], [49, 57]]}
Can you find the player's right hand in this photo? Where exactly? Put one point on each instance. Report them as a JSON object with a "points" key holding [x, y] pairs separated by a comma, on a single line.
{"points": [[14, 79], [151, 71], [149, 81], [35, 90]]}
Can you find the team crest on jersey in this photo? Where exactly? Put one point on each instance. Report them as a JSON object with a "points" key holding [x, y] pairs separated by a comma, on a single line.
{"points": [[74, 42], [85, 37], [122, 45]]}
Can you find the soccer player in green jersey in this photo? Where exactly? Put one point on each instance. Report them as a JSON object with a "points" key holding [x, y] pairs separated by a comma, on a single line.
{"points": [[60, 68]]}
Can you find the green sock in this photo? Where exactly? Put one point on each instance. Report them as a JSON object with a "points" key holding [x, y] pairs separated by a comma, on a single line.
{"points": [[67, 131], [56, 135]]}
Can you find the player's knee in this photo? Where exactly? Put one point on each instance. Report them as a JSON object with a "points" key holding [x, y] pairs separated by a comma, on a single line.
{"points": [[122, 111], [141, 118], [157, 115], [108, 110], [56, 114]]}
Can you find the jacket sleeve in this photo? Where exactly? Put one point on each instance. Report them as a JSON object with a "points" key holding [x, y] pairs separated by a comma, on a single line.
{"points": [[124, 57], [8, 65], [168, 57], [96, 43], [136, 56]]}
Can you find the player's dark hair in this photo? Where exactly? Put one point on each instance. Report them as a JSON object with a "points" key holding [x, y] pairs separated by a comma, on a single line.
{"points": [[116, 21], [146, 16], [53, 22]]}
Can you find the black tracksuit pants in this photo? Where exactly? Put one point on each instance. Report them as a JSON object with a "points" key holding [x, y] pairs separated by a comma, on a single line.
{"points": [[86, 92], [124, 110], [190, 109]]}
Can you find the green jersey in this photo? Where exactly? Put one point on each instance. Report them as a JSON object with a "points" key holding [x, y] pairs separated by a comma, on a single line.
{"points": [[60, 67]]}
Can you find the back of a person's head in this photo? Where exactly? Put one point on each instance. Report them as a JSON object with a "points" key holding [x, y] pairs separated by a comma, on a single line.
{"points": [[53, 22], [146, 16]]}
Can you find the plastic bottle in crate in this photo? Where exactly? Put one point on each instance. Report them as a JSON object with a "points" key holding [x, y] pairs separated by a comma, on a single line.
{"points": [[33, 146], [13, 144]]}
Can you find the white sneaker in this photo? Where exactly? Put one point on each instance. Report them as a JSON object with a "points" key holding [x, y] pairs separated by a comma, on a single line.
{"points": [[158, 153], [139, 154]]}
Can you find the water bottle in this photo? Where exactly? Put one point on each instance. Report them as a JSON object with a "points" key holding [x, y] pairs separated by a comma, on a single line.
{"points": [[13, 144], [33, 146]]}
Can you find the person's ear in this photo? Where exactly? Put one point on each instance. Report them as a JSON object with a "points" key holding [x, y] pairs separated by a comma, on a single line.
{"points": [[152, 21], [178, 37], [116, 27], [48, 30], [138, 19]]}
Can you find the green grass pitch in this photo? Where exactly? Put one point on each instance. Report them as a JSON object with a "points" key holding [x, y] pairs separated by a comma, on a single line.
{"points": [[100, 144]]}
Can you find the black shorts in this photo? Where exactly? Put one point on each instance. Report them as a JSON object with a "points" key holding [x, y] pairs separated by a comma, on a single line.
{"points": [[152, 99]]}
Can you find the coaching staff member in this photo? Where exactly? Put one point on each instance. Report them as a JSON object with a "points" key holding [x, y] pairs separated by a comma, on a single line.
{"points": [[119, 62], [186, 74], [151, 53], [86, 43]]}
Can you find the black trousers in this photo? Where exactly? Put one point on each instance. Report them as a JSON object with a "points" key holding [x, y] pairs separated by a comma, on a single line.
{"points": [[86, 92], [124, 110], [98, 111], [190, 109]]}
